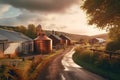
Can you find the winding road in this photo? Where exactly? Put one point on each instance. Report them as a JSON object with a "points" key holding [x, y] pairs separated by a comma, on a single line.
{"points": [[62, 67]]}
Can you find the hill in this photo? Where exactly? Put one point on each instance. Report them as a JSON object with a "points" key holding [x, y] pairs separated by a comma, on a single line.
{"points": [[77, 37], [104, 36], [74, 37]]}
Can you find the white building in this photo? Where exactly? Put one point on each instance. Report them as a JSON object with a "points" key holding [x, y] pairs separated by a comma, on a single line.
{"points": [[15, 43]]}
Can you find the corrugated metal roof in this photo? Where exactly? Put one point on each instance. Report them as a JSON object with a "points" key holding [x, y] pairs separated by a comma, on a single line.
{"points": [[57, 37], [13, 36], [3, 37], [65, 37], [100, 39]]}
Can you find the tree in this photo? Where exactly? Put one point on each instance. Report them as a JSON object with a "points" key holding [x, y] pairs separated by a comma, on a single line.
{"points": [[113, 46], [103, 13], [22, 29], [31, 32], [114, 33]]}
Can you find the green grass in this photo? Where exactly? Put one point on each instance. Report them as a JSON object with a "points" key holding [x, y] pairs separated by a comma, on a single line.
{"points": [[93, 68]]}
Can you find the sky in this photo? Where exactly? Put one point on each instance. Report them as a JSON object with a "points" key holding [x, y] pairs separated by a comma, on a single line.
{"points": [[60, 15]]}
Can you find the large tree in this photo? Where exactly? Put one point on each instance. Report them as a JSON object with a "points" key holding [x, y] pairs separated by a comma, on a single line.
{"points": [[103, 13], [114, 33]]}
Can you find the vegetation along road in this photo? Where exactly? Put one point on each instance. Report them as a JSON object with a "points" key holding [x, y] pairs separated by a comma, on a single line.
{"points": [[62, 67]]}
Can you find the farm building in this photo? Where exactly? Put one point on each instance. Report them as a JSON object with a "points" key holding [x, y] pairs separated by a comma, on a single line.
{"points": [[14, 43], [66, 40], [3, 41], [56, 40], [42, 44], [96, 40]]}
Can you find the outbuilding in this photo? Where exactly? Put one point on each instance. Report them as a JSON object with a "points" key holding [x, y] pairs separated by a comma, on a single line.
{"points": [[42, 43], [97, 40], [57, 41], [14, 43], [65, 39]]}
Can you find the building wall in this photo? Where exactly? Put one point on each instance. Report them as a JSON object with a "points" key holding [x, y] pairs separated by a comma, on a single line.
{"points": [[43, 46], [27, 47], [93, 41], [54, 40], [13, 48], [66, 41], [19, 47], [3, 45]]}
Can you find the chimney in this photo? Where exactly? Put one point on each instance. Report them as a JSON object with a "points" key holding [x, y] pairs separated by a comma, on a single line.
{"points": [[53, 32]]}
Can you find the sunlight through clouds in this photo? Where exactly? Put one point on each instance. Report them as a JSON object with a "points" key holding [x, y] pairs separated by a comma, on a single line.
{"points": [[66, 18]]}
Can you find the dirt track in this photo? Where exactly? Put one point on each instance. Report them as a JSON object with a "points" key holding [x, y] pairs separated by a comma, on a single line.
{"points": [[62, 67], [54, 69]]}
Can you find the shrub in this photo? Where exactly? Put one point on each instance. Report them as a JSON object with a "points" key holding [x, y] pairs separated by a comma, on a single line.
{"points": [[9, 73], [113, 45], [98, 63], [99, 60]]}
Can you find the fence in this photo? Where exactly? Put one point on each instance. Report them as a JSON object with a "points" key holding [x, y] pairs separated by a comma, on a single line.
{"points": [[107, 52]]}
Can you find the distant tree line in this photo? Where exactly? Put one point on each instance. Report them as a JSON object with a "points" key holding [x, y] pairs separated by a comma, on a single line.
{"points": [[29, 30]]}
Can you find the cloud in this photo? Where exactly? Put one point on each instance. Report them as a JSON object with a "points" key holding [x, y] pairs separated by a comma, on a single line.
{"points": [[3, 8], [26, 17], [42, 5]]}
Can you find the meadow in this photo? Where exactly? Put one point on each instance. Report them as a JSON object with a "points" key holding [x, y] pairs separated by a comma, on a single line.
{"points": [[98, 62]]}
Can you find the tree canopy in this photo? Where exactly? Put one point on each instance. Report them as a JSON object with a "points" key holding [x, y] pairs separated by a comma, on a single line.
{"points": [[31, 32], [114, 33], [103, 13]]}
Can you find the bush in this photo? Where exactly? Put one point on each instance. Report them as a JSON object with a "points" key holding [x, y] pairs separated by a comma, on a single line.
{"points": [[113, 46], [9, 73], [98, 63]]}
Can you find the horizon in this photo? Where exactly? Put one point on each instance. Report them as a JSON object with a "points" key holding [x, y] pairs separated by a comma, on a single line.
{"points": [[68, 18]]}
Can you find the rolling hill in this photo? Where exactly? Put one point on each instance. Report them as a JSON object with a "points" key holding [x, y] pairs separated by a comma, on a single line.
{"points": [[74, 37], [104, 36]]}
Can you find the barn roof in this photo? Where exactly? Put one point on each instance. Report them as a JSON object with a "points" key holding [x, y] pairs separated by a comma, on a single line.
{"points": [[66, 37], [3, 37], [57, 37], [100, 39], [13, 36]]}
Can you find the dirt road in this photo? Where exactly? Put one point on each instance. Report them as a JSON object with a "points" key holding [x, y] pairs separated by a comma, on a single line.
{"points": [[62, 67]]}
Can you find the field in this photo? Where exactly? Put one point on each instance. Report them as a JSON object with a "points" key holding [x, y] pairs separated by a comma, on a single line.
{"points": [[98, 62], [29, 67]]}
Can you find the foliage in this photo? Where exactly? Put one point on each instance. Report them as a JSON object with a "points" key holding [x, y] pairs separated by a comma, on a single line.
{"points": [[9, 73], [113, 45], [21, 29], [29, 31], [103, 13], [98, 63], [99, 59], [114, 33]]}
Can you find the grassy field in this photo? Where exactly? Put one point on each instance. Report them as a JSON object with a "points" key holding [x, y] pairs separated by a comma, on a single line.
{"points": [[33, 73], [98, 63], [28, 68]]}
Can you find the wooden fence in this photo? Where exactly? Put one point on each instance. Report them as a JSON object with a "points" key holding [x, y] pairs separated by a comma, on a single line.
{"points": [[107, 52]]}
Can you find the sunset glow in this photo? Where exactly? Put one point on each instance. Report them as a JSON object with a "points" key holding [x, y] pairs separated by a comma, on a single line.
{"points": [[72, 19]]}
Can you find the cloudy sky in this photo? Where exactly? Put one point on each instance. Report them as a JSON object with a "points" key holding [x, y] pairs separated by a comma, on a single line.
{"points": [[60, 15]]}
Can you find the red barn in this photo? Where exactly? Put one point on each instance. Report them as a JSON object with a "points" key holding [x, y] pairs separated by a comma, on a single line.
{"points": [[66, 40], [56, 39]]}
